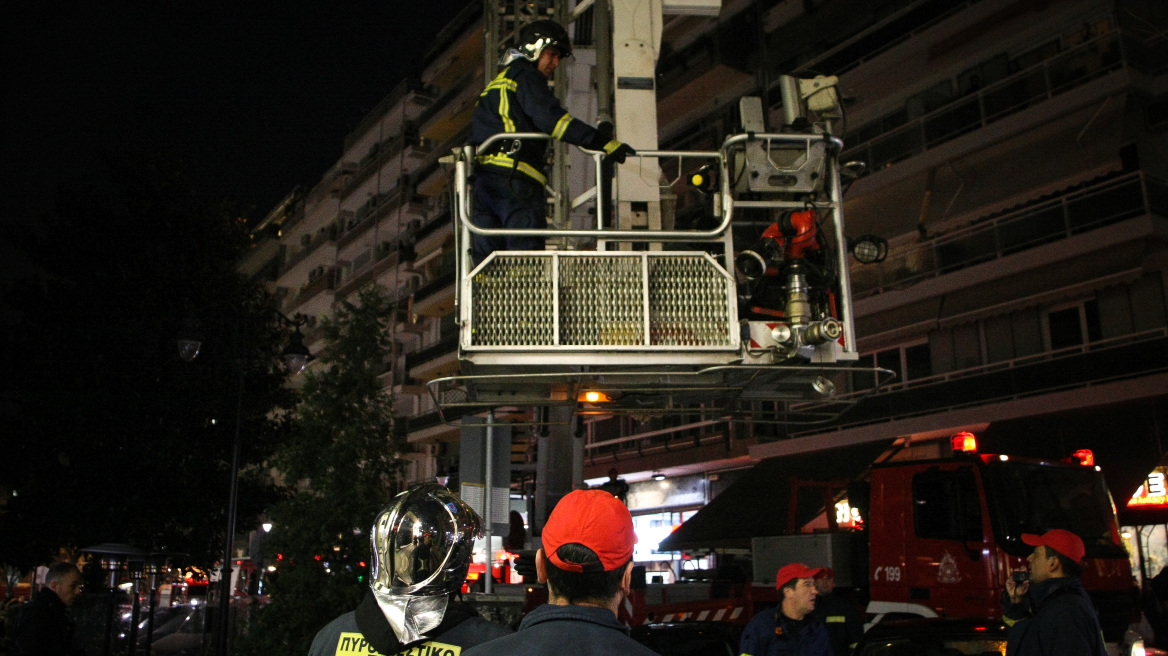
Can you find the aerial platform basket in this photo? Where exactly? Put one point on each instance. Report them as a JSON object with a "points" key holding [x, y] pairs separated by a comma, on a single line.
{"points": [[649, 331]]}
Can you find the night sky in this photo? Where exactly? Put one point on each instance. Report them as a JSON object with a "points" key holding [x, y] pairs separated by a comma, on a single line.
{"points": [[248, 99]]}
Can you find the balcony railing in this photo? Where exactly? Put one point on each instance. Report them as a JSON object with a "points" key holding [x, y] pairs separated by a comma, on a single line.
{"points": [[446, 345], [441, 219], [325, 282], [1105, 361], [440, 281], [668, 438], [325, 235], [1095, 206], [876, 39], [1062, 72]]}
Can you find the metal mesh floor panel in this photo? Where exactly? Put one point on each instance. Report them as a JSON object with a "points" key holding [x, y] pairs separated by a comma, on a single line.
{"points": [[513, 302], [687, 303], [603, 301]]}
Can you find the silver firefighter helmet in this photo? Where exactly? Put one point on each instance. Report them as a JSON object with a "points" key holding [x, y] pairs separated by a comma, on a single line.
{"points": [[422, 542]]}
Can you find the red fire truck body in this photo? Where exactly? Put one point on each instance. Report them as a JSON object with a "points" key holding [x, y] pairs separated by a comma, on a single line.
{"points": [[940, 537]]}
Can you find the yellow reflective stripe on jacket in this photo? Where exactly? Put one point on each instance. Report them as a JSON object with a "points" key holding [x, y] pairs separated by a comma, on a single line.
{"points": [[354, 644], [561, 126], [505, 111], [835, 619], [1009, 622], [499, 159], [503, 85]]}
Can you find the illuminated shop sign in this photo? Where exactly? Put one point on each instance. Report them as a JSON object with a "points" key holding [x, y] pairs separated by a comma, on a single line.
{"points": [[1153, 493]]}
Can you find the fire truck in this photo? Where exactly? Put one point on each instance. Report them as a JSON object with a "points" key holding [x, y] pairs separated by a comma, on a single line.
{"points": [[938, 536]]}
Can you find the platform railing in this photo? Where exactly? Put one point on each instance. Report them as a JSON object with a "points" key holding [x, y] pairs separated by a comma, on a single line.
{"points": [[540, 278]]}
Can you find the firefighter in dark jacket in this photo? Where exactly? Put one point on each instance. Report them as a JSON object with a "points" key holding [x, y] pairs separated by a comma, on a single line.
{"points": [[587, 563], [1051, 614], [791, 629], [408, 609], [509, 175], [44, 627], [845, 625]]}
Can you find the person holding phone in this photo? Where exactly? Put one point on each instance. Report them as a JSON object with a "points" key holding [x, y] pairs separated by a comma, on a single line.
{"points": [[1048, 611]]}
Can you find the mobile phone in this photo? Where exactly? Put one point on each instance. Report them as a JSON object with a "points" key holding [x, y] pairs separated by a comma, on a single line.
{"points": [[1021, 576]]}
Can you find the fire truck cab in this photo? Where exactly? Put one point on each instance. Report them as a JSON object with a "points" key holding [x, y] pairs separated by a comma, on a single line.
{"points": [[939, 537]]}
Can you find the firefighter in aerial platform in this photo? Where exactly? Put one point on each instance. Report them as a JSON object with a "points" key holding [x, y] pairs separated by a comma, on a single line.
{"points": [[408, 609], [510, 175]]}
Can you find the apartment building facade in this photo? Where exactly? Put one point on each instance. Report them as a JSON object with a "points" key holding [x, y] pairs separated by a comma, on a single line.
{"points": [[1016, 162]]}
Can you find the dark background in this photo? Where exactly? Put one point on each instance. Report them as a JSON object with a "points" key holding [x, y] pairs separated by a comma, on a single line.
{"points": [[247, 99]]}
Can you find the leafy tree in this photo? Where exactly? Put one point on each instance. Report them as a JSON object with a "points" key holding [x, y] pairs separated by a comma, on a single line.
{"points": [[340, 466], [109, 436]]}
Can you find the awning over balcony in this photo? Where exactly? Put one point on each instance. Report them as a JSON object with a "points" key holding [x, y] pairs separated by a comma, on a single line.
{"points": [[758, 504]]}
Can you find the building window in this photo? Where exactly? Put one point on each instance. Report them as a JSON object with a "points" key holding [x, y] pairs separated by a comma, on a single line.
{"points": [[1072, 326]]}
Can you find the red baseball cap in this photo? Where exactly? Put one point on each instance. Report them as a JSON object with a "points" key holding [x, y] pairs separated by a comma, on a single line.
{"points": [[1062, 541], [788, 573], [595, 519], [825, 573]]}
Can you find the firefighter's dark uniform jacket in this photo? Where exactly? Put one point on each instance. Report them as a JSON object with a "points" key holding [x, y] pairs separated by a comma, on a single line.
{"points": [[843, 622], [366, 632], [1056, 618], [770, 633], [566, 631], [519, 100]]}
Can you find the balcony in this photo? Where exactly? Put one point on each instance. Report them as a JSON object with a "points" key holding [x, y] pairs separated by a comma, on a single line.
{"points": [[436, 297], [325, 235], [430, 428], [881, 36], [381, 153], [1047, 79], [434, 361], [388, 255], [1089, 365], [433, 232], [430, 175], [1050, 220], [314, 291]]}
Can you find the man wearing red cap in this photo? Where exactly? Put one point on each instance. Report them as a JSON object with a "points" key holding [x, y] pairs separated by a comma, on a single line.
{"points": [[587, 563], [1051, 614], [791, 629]]}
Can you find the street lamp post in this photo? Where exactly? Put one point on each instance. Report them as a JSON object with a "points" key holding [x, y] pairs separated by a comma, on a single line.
{"points": [[296, 357]]}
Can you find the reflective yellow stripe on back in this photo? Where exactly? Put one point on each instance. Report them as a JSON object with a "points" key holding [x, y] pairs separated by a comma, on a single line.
{"points": [[354, 644]]}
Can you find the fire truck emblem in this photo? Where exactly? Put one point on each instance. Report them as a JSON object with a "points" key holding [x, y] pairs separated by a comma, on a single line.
{"points": [[947, 571]]}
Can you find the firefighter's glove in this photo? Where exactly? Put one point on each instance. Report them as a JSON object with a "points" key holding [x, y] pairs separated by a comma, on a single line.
{"points": [[616, 151]]}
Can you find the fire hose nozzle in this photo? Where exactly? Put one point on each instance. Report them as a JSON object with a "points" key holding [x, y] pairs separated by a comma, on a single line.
{"points": [[826, 330]]}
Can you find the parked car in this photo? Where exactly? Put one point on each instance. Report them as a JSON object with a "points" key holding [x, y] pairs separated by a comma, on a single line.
{"points": [[690, 638], [940, 636], [161, 616], [937, 636], [186, 633]]}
